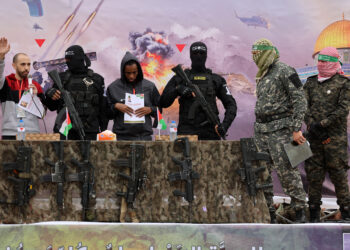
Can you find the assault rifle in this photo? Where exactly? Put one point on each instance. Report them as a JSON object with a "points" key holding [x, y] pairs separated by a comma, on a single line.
{"points": [[57, 172], [23, 182], [247, 172], [137, 177], [85, 176], [211, 116], [186, 174], [73, 114]]}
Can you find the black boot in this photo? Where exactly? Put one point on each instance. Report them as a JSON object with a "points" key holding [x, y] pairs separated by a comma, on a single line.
{"points": [[345, 212], [314, 213], [272, 215], [300, 216]]}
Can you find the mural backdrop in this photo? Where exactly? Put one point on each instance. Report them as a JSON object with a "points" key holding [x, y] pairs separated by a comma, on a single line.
{"points": [[156, 31]]}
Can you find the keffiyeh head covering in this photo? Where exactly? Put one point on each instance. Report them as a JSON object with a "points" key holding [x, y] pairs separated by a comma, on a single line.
{"points": [[328, 63], [265, 54]]}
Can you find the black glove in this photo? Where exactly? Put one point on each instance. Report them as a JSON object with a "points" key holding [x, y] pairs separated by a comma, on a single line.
{"points": [[318, 132], [315, 126], [51, 92], [184, 91]]}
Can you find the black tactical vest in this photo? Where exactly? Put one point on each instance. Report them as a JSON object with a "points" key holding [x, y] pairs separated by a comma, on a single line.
{"points": [[206, 85], [85, 94]]}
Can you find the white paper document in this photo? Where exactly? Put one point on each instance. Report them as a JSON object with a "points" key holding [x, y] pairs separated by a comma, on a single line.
{"points": [[135, 102], [33, 106]]}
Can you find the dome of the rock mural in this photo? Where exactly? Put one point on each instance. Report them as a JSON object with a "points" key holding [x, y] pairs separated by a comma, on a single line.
{"points": [[335, 35]]}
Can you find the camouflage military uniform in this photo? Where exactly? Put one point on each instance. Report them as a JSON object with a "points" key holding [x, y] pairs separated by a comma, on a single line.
{"points": [[328, 103], [279, 111]]}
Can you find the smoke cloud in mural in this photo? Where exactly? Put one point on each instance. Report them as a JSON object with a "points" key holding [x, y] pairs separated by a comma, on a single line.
{"points": [[152, 42]]}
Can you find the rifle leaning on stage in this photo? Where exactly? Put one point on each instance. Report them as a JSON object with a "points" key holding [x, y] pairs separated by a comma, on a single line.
{"points": [[186, 174], [85, 176], [57, 172], [137, 176], [247, 172], [23, 181], [73, 114], [211, 116]]}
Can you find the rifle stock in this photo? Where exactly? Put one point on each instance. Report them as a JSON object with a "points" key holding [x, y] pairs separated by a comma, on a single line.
{"points": [[247, 173], [186, 174], [22, 181], [85, 176], [135, 179], [57, 174]]}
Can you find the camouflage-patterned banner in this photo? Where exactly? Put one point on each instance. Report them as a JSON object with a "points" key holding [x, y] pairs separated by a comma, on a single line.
{"points": [[100, 236]]}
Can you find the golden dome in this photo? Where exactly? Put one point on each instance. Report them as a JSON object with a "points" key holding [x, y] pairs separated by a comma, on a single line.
{"points": [[335, 35]]}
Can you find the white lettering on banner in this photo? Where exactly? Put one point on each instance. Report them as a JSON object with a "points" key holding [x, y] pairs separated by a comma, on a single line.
{"points": [[109, 246]]}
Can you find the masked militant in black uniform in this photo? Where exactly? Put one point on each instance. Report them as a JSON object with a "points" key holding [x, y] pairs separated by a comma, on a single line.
{"points": [[87, 91], [193, 119]]}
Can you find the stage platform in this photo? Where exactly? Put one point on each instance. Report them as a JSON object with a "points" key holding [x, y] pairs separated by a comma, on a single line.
{"points": [[171, 236]]}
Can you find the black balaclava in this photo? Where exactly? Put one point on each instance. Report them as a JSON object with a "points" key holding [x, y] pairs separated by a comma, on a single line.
{"points": [[198, 54], [77, 61]]}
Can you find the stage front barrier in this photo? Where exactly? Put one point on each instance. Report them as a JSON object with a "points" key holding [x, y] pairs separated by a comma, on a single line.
{"points": [[220, 195], [164, 236]]}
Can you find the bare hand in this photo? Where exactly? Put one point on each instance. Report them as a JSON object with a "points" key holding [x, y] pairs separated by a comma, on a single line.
{"points": [[124, 108], [4, 47], [298, 137], [56, 96], [216, 129], [35, 90], [143, 111]]}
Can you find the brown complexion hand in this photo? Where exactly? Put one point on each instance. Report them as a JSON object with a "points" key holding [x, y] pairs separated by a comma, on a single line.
{"points": [[56, 96], [216, 130], [143, 111], [124, 108], [298, 137]]}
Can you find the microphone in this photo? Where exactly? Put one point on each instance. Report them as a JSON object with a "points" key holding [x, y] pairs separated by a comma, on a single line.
{"points": [[30, 82]]}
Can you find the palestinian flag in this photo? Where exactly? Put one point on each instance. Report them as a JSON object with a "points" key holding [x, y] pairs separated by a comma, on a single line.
{"points": [[66, 125], [161, 122]]}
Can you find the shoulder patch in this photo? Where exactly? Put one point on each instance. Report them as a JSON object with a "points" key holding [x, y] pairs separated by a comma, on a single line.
{"points": [[295, 80]]}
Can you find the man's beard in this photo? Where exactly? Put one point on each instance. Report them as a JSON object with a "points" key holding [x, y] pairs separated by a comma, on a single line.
{"points": [[23, 74]]}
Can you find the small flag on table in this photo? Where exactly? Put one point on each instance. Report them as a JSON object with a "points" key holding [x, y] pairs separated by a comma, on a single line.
{"points": [[66, 125], [161, 122]]}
